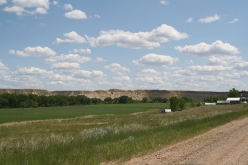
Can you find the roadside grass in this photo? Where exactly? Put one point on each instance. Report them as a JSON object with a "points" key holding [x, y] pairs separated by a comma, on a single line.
{"points": [[107, 137]]}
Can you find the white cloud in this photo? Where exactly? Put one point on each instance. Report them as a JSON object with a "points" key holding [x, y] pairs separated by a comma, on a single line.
{"points": [[225, 60], [138, 40], [3, 2], [149, 73], [71, 38], [14, 9], [76, 14], [163, 2], [124, 79], [84, 51], [99, 59], [40, 10], [31, 3], [215, 17], [189, 61], [242, 66], [117, 68], [33, 71], [233, 21], [89, 74], [55, 2], [203, 49], [70, 58], [3, 69], [183, 73], [97, 16], [65, 66], [22, 7], [190, 20], [68, 7], [34, 51], [209, 69], [155, 59], [149, 77]]}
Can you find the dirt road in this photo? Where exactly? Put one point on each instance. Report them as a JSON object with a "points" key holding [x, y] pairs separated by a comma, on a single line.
{"points": [[224, 145]]}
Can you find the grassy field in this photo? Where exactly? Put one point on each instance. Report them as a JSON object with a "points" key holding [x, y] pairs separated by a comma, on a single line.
{"points": [[27, 114], [107, 134]]}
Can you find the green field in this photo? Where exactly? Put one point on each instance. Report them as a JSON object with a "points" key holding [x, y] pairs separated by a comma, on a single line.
{"points": [[102, 133], [27, 114]]}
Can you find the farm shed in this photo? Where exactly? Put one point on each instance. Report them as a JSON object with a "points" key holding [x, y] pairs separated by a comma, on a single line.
{"points": [[234, 100]]}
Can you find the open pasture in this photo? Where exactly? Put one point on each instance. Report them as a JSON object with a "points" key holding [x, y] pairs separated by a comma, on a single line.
{"points": [[28, 114], [102, 137]]}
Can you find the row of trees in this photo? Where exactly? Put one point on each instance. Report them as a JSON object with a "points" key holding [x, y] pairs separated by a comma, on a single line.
{"points": [[25, 101]]}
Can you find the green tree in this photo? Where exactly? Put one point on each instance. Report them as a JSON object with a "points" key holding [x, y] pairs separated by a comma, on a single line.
{"points": [[108, 100], [123, 100], [174, 103], [182, 104], [145, 100], [233, 93]]}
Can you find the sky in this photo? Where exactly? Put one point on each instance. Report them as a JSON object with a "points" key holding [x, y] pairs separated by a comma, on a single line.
{"points": [[130, 45]]}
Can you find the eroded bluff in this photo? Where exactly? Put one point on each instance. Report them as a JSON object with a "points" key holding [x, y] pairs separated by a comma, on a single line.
{"points": [[115, 93]]}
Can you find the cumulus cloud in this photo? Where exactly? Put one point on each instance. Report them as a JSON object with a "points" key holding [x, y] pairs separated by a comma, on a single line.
{"points": [[28, 7], [71, 38], [151, 76], [203, 49], [190, 20], [215, 17], [209, 69], [3, 69], [155, 60], [124, 79], [233, 21], [65, 66], [242, 66], [89, 74], [149, 73], [3, 2], [76, 14], [138, 40], [34, 51], [33, 71], [84, 51], [183, 73], [99, 59], [70, 58], [117, 68], [68, 7], [225, 60]]}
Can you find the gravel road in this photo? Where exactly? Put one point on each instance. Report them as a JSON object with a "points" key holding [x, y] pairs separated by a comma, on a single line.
{"points": [[224, 145]]}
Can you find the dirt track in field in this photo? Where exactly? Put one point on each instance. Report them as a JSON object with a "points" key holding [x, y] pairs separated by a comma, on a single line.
{"points": [[224, 145]]}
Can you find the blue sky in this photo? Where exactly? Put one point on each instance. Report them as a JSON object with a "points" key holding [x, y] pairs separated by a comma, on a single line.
{"points": [[100, 45]]}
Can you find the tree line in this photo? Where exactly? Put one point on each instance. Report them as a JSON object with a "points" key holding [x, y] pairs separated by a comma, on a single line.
{"points": [[13, 100]]}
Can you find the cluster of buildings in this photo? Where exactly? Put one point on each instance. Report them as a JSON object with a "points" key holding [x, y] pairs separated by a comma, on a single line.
{"points": [[242, 99]]}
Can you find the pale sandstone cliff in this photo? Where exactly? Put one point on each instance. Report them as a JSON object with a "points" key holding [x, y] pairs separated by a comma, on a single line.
{"points": [[114, 93]]}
